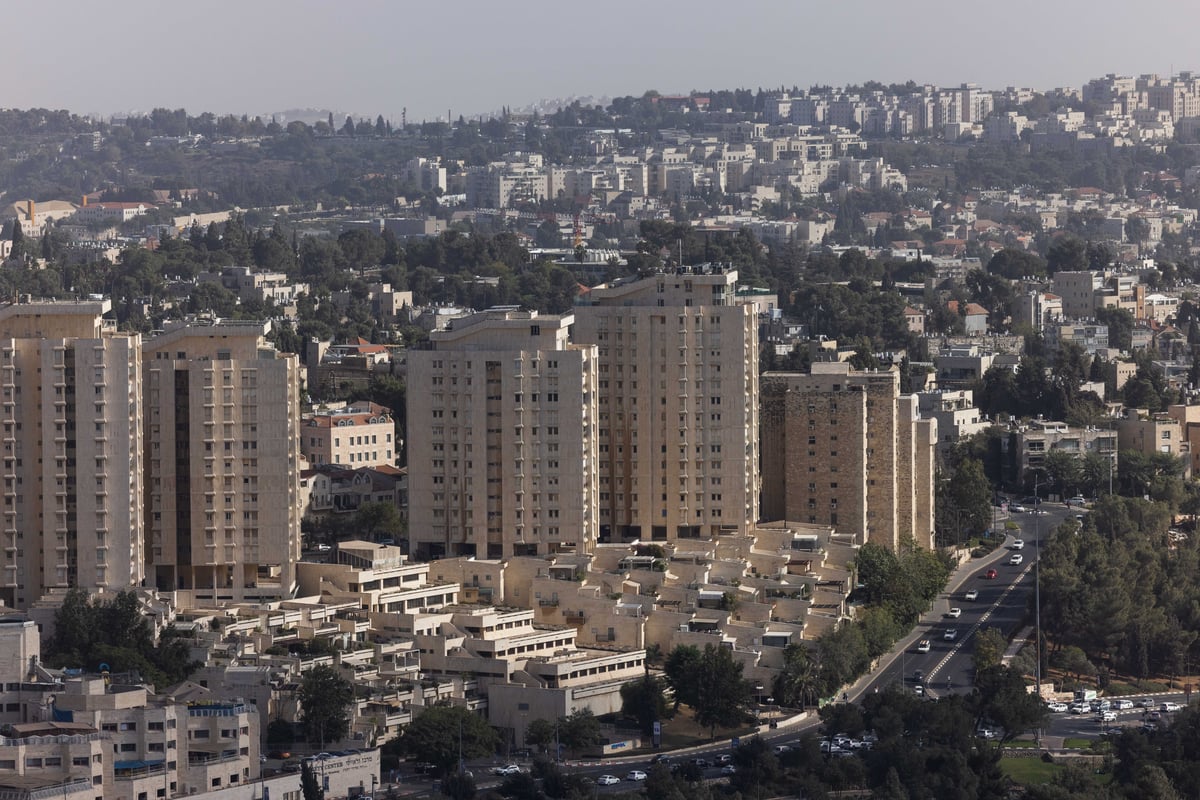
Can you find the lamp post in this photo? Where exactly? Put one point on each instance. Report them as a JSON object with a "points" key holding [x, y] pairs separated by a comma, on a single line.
{"points": [[1037, 589]]}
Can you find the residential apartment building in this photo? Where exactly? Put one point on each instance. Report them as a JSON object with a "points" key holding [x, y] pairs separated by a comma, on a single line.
{"points": [[1078, 292], [356, 435], [1090, 336], [678, 404], [503, 438], [55, 760], [843, 448], [223, 463], [956, 415], [70, 418], [1026, 446], [1146, 433]]}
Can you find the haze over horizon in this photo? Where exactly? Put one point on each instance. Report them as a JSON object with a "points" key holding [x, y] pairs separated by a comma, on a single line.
{"points": [[371, 57]]}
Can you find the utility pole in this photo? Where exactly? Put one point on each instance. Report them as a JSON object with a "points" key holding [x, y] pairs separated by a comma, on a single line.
{"points": [[1037, 589]]}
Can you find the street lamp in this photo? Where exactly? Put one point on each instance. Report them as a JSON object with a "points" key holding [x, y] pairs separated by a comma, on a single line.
{"points": [[1037, 588]]}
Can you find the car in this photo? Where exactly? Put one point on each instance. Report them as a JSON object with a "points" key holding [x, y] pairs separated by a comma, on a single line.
{"points": [[608, 780], [635, 775], [1079, 708], [1016, 559], [724, 758], [1108, 716], [954, 612], [1122, 705], [1143, 702], [924, 646], [323, 548], [1149, 727], [919, 690], [729, 769], [1057, 708], [972, 594], [1076, 501], [990, 574], [828, 747], [918, 676], [782, 748], [702, 763], [507, 769], [1018, 544], [1169, 708], [661, 758], [1016, 508], [989, 733], [950, 635]]}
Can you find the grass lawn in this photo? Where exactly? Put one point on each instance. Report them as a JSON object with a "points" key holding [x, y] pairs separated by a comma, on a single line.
{"points": [[1029, 771], [1078, 744]]}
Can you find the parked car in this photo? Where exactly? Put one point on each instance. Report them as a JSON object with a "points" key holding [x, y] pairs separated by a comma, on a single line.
{"points": [[1016, 559], [608, 780], [1057, 708], [507, 769], [728, 769], [1076, 501], [1079, 708], [972, 594], [954, 612], [635, 775], [924, 646]]}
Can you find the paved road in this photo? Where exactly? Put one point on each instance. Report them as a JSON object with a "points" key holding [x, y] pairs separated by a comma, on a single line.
{"points": [[1002, 603]]}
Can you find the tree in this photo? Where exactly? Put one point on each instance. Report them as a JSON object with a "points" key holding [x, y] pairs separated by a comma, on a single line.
{"points": [[990, 644], [540, 733], [459, 786], [579, 730], [644, 700], [797, 683], [310, 784], [1001, 696], [723, 693], [1067, 254], [436, 734], [968, 493], [325, 700], [681, 671]]}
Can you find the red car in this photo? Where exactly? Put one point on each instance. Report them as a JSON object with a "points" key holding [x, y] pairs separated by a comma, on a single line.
{"points": [[991, 573]]}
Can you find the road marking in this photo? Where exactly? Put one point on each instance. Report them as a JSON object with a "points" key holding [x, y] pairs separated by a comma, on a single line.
{"points": [[982, 619]]}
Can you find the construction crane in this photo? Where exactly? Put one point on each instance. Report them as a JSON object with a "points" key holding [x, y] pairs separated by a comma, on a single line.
{"points": [[577, 232]]}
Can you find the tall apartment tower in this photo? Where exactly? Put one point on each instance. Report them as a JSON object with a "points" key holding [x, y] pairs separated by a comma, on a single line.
{"points": [[843, 448], [222, 463], [70, 418], [678, 404], [502, 438]]}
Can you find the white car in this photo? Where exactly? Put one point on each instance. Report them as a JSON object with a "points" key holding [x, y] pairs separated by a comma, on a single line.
{"points": [[1108, 716], [950, 635], [1016, 559], [973, 594], [1016, 508], [507, 769], [1122, 705], [608, 780], [954, 612], [924, 647], [635, 775], [1079, 708], [1018, 544], [1057, 708], [1169, 708]]}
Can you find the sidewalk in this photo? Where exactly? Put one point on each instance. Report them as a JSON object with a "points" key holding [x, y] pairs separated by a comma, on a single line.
{"points": [[966, 570]]}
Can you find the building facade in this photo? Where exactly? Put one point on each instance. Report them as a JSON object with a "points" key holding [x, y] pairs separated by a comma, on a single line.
{"points": [[71, 460], [843, 448], [223, 463], [502, 438], [678, 404], [357, 435]]}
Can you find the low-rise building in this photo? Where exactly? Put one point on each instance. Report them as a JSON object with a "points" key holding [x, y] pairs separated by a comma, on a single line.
{"points": [[354, 435]]}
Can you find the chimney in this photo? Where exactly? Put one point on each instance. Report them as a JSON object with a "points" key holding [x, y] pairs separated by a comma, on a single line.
{"points": [[85, 201]]}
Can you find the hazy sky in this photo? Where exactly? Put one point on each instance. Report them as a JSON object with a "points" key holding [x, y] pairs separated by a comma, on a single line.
{"points": [[379, 56]]}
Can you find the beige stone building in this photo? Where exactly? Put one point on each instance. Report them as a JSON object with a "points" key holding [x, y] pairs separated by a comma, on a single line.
{"points": [[843, 448], [222, 463], [1146, 433], [678, 404], [502, 438], [357, 435], [69, 760], [71, 460]]}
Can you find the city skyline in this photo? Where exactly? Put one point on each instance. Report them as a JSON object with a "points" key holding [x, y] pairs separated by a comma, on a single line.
{"points": [[366, 57]]}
